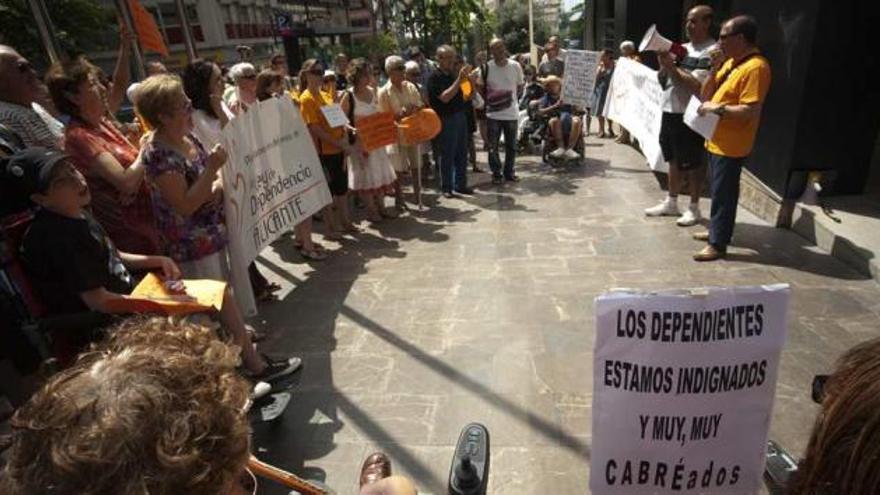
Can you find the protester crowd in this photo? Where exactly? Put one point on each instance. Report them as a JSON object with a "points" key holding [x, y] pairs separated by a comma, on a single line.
{"points": [[111, 201]]}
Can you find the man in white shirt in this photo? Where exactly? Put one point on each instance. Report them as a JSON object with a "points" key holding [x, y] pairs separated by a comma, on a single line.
{"points": [[501, 80], [20, 92], [683, 147]]}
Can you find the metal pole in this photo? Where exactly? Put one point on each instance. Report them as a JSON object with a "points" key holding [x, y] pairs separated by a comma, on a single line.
{"points": [[187, 32], [47, 31], [125, 10], [533, 50]]}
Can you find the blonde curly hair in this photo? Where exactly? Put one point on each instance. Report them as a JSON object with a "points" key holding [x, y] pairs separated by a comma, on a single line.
{"points": [[158, 408]]}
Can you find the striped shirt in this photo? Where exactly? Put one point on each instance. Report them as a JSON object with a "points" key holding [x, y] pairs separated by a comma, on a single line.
{"points": [[35, 126]]}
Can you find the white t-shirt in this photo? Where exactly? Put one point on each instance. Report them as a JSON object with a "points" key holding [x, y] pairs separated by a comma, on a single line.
{"points": [[506, 78], [698, 63], [207, 129]]}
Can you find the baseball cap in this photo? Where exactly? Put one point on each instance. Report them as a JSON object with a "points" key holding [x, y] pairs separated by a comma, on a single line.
{"points": [[30, 171]]}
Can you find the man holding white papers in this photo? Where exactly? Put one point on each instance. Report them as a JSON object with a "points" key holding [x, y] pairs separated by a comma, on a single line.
{"points": [[735, 91], [682, 147]]}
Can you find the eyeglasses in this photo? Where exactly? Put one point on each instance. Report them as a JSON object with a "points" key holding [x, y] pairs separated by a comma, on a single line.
{"points": [[396, 68], [249, 76]]}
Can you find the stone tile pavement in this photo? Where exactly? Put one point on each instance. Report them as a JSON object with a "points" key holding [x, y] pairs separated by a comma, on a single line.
{"points": [[481, 309]]}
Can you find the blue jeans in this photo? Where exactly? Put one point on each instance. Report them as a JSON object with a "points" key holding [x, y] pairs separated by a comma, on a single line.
{"points": [[453, 152], [724, 175], [494, 129]]}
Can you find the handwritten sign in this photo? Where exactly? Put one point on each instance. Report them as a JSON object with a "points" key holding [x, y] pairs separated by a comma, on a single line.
{"points": [[151, 296], [334, 115], [635, 101], [272, 182], [377, 130], [683, 387], [579, 77]]}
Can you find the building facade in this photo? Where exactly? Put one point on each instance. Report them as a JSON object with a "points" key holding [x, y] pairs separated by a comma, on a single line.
{"points": [[823, 110]]}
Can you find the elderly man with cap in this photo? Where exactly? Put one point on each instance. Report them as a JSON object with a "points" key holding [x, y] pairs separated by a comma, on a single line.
{"points": [[20, 111]]}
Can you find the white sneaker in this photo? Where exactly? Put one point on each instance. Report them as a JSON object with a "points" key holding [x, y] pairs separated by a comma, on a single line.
{"points": [[557, 153], [667, 208], [260, 390], [690, 217], [571, 154]]}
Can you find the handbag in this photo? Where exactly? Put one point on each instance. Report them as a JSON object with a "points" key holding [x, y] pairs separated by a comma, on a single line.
{"points": [[496, 99]]}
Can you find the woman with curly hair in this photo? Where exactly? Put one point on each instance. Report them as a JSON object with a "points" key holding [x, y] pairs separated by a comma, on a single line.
{"points": [[843, 455], [157, 408]]}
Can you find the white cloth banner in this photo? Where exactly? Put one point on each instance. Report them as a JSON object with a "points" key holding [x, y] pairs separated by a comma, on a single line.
{"points": [[683, 388], [272, 181], [579, 77], [635, 101]]}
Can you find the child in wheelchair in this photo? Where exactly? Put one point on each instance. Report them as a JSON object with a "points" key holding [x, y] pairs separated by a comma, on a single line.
{"points": [[563, 130]]}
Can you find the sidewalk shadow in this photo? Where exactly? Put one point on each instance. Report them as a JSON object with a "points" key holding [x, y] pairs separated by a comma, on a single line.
{"points": [[766, 241]]}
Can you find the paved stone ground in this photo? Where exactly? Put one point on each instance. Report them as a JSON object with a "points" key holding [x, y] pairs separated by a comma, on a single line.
{"points": [[481, 309]]}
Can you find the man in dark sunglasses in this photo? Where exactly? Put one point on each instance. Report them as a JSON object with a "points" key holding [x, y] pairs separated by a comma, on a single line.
{"points": [[21, 92], [734, 91]]}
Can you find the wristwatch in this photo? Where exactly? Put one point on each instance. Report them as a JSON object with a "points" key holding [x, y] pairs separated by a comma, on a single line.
{"points": [[721, 110]]}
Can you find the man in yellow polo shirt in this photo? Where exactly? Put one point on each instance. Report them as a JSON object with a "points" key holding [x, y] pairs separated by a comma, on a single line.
{"points": [[735, 91]]}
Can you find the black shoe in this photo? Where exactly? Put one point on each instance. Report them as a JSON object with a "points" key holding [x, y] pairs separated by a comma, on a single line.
{"points": [[448, 194], [497, 180], [512, 178], [278, 368], [467, 191]]}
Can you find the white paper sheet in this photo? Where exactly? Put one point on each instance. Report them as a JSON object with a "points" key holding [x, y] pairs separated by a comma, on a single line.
{"points": [[703, 125]]}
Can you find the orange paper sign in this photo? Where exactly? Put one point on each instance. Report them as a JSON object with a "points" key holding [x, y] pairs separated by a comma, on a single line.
{"points": [[146, 28], [377, 130], [151, 296], [419, 127]]}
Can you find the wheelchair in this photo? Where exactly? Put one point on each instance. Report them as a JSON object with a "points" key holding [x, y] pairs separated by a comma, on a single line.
{"points": [[550, 144]]}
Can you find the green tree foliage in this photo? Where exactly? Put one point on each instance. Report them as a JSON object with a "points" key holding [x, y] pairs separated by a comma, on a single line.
{"points": [[512, 26], [80, 26]]}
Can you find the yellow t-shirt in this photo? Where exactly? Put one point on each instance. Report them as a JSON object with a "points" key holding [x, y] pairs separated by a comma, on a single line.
{"points": [[748, 83], [310, 107]]}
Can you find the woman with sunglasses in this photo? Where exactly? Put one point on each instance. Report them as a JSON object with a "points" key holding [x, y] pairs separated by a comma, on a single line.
{"points": [[244, 75], [184, 182], [332, 145], [120, 198]]}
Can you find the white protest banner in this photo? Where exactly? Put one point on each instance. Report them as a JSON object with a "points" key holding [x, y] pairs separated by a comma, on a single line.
{"points": [[272, 181], [683, 388], [634, 101], [579, 77]]}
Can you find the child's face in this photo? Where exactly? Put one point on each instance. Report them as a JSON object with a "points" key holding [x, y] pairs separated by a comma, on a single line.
{"points": [[67, 192], [554, 88]]}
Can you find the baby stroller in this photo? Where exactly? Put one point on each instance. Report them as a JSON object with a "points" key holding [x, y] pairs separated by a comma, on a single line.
{"points": [[531, 127]]}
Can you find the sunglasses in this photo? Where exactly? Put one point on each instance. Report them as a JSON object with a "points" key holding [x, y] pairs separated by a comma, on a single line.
{"points": [[317, 72], [249, 76]]}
